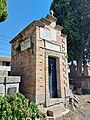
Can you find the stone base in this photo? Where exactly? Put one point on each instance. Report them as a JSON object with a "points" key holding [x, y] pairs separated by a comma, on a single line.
{"points": [[59, 116], [54, 112]]}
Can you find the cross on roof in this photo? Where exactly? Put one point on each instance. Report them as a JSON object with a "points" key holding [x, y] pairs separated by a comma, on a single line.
{"points": [[51, 12]]}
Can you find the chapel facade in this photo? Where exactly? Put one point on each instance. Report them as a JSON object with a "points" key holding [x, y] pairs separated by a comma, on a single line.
{"points": [[39, 56]]}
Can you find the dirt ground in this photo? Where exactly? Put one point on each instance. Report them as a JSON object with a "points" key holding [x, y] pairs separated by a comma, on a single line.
{"points": [[83, 110]]}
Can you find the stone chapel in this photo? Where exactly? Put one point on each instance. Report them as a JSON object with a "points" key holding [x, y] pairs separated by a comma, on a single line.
{"points": [[39, 56]]}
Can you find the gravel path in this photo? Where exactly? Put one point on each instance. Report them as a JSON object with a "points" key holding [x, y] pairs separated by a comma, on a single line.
{"points": [[83, 110], [86, 115], [85, 107]]}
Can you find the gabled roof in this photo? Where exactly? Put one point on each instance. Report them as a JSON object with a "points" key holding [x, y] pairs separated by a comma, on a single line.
{"points": [[41, 23]]}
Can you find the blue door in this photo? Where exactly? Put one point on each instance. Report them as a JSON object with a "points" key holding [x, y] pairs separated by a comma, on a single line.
{"points": [[52, 77]]}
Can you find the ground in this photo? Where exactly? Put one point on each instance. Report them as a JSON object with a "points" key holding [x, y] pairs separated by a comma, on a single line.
{"points": [[83, 110]]}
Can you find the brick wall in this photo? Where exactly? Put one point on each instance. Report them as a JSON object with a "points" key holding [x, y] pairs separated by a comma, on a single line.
{"points": [[32, 63], [23, 64]]}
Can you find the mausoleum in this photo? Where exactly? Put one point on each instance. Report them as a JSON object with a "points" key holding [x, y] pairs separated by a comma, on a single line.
{"points": [[39, 56]]}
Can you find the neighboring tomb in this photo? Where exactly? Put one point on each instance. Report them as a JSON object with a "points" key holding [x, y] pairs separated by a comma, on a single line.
{"points": [[39, 56], [80, 84], [8, 84], [86, 69], [5, 63]]}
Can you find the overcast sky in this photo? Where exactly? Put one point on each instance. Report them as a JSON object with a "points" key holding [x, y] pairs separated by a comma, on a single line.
{"points": [[20, 14]]}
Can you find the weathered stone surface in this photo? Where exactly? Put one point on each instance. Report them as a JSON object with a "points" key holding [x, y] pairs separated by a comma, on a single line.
{"points": [[3, 73], [56, 110], [2, 80], [1, 88], [32, 63], [9, 82], [86, 70], [13, 79], [81, 84]]}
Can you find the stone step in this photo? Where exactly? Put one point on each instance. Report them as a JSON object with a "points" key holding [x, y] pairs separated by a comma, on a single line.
{"points": [[62, 114], [58, 117], [55, 110]]}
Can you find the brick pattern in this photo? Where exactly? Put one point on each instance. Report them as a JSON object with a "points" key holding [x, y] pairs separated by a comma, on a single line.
{"points": [[65, 67], [23, 64], [42, 84], [32, 65]]}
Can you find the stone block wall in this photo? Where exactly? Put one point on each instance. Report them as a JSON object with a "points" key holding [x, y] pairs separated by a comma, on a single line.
{"points": [[81, 84], [9, 84]]}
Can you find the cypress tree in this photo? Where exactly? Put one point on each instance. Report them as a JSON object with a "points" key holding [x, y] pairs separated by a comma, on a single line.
{"points": [[74, 16]]}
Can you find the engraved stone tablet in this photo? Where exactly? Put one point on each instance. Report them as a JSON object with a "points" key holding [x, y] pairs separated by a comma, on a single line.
{"points": [[54, 47], [53, 35], [12, 90], [25, 44], [45, 34], [48, 34]]}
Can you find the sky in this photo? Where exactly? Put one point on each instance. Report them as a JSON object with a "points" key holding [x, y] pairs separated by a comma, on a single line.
{"points": [[20, 14]]}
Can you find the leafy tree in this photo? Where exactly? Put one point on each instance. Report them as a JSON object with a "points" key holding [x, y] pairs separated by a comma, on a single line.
{"points": [[3, 10], [74, 16]]}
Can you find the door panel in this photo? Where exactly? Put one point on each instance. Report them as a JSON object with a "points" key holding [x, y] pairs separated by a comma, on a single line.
{"points": [[52, 77]]}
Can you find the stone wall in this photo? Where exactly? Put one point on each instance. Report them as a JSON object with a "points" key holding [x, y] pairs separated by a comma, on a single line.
{"points": [[8, 84], [23, 64], [81, 84]]}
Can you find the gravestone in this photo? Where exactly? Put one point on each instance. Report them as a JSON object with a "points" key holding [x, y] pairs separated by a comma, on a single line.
{"points": [[73, 71], [8, 84], [12, 90], [86, 70]]}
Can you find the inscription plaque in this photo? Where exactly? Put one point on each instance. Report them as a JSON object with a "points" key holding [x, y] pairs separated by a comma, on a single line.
{"points": [[12, 90], [48, 34], [45, 34], [53, 35], [54, 47], [25, 44]]}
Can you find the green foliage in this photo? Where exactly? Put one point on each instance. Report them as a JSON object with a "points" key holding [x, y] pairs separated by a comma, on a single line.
{"points": [[74, 16], [17, 107], [3, 10], [33, 110]]}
